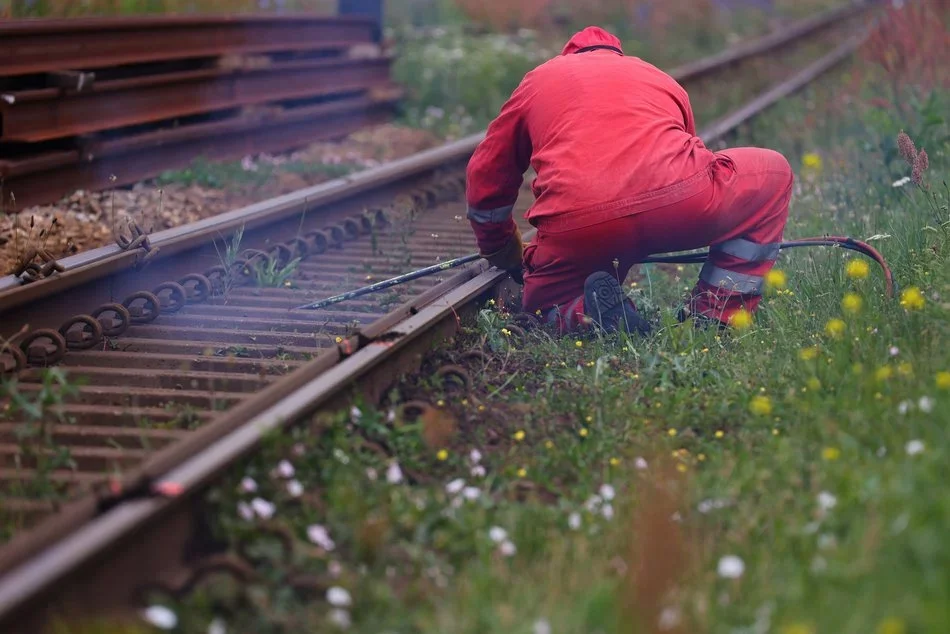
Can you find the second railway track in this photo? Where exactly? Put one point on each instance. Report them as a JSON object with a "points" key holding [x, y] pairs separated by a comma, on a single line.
{"points": [[189, 350]]}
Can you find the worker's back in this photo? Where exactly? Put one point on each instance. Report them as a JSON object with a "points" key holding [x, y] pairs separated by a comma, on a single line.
{"points": [[605, 129]]}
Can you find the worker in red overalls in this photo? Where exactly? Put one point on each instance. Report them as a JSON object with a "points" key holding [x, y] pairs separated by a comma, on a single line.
{"points": [[621, 175]]}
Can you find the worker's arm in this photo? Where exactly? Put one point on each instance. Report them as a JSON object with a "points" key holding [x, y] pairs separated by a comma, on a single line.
{"points": [[494, 177]]}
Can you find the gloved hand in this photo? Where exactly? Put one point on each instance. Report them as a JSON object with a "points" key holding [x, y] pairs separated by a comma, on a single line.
{"points": [[509, 257]]}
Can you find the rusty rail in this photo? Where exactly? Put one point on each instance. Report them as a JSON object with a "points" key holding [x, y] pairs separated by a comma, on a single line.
{"points": [[39, 46], [101, 536]]}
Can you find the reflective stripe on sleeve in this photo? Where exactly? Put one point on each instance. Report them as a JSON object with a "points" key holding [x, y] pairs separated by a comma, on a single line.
{"points": [[728, 280], [483, 216]]}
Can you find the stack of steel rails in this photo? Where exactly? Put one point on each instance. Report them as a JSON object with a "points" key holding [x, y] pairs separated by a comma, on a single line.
{"points": [[95, 103]]}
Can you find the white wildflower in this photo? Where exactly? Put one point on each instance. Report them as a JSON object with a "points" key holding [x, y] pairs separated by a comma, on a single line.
{"points": [[263, 508], [285, 469], [245, 511], [881, 452], [455, 486], [507, 548], [294, 488], [475, 456], [926, 404], [574, 521], [640, 463], [811, 528], [713, 504], [471, 493], [217, 626], [731, 567], [607, 511], [541, 626], [593, 503], [818, 564], [607, 492], [894, 351], [339, 597], [335, 568], [914, 447], [669, 618], [248, 485], [247, 164], [903, 407], [320, 536], [391, 416], [478, 471], [676, 517], [826, 501], [340, 618], [371, 474], [497, 534], [160, 616], [355, 414], [394, 473], [901, 182]]}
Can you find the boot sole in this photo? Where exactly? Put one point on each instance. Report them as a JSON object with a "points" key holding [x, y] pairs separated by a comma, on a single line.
{"points": [[603, 300]]}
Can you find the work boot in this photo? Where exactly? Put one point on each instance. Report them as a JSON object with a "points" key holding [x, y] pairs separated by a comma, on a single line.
{"points": [[606, 305]]}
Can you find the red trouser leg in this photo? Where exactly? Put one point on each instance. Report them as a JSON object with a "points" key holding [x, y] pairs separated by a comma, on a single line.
{"points": [[754, 199], [741, 216]]}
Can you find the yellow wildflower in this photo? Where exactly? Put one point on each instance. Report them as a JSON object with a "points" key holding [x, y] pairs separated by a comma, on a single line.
{"points": [[579, 344], [835, 328], [852, 303], [775, 431], [891, 626], [912, 298], [548, 444], [519, 435], [583, 432], [813, 383], [719, 433], [506, 332], [671, 432], [812, 161], [760, 405], [857, 269], [808, 354], [741, 319], [614, 462], [681, 468], [943, 380], [830, 453], [440, 403], [339, 339], [522, 472], [884, 373], [442, 455], [776, 279], [905, 369], [589, 419]]}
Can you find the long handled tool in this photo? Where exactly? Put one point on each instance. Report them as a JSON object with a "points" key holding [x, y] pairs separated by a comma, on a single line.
{"points": [[689, 258]]}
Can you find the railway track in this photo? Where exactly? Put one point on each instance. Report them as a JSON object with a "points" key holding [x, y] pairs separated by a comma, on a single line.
{"points": [[191, 350]]}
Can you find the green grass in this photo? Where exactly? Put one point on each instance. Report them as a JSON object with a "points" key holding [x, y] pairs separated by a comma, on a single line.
{"points": [[817, 459]]}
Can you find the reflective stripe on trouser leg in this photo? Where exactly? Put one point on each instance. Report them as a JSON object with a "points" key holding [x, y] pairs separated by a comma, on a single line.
{"points": [[747, 250], [730, 281], [484, 216]]}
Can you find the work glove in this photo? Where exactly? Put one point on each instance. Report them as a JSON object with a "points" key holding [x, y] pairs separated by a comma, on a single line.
{"points": [[509, 257]]}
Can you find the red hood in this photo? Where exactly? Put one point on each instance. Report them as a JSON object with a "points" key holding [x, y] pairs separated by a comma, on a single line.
{"points": [[591, 36]]}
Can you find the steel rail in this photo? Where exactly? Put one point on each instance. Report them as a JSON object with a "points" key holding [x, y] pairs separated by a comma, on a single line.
{"points": [[772, 41], [37, 46], [32, 116], [169, 491]]}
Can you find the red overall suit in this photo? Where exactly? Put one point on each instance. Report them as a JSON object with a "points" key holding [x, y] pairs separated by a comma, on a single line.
{"points": [[621, 175]]}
